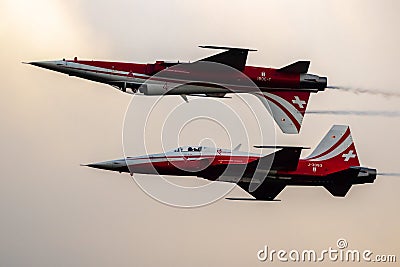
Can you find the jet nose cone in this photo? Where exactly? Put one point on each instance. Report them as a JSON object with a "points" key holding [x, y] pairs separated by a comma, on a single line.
{"points": [[56, 65], [95, 165], [42, 64], [101, 165], [116, 165], [38, 64]]}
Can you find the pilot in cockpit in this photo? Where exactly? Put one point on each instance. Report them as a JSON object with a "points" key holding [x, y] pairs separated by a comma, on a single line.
{"points": [[188, 149]]}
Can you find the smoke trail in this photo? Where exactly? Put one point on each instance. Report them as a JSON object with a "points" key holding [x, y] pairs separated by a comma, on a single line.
{"points": [[389, 174], [380, 113], [357, 90]]}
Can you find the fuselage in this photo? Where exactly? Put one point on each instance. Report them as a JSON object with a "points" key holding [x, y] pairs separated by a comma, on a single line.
{"points": [[333, 164], [183, 161], [133, 75], [213, 163], [285, 92]]}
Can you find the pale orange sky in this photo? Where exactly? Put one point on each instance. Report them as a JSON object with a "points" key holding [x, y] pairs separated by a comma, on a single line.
{"points": [[56, 213]]}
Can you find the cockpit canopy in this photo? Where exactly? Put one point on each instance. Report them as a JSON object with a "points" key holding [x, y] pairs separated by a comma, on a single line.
{"points": [[189, 149]]}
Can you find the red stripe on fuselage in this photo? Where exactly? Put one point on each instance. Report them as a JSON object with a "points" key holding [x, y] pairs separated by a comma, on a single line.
{"points": [[273, 78]]}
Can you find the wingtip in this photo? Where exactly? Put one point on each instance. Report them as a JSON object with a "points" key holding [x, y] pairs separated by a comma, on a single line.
{"points": [[226, 47], [281, 147]]}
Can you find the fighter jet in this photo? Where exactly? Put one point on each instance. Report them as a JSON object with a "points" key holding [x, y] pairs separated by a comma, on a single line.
{"points": [[284, 91], [334, 164]]}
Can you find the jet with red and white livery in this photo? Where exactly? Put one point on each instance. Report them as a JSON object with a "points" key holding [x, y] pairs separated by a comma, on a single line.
{"points": [[285, 91], [334, 164]]}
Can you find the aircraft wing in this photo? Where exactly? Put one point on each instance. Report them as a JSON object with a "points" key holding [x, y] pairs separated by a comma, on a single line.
{"points": [[233, 57], [286, 158], [260, 188]]}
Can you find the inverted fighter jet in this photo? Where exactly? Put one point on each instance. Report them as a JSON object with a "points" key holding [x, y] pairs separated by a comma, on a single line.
{"points": [[284, 91]]}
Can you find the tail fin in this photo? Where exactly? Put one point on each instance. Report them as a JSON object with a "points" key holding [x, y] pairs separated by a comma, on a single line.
{"points": [[336, 151], [287, 108]]}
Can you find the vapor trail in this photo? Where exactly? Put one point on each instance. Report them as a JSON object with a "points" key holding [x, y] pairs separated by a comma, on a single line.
{"points": [[364, 90], [380, 113], [389, 174]]}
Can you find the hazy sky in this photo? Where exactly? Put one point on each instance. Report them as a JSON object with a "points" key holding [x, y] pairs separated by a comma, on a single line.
{"points": [[56, 213]]}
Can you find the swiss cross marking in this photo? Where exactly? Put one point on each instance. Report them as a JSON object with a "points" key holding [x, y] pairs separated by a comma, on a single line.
{"points": [[298, 101], [349, 155]]}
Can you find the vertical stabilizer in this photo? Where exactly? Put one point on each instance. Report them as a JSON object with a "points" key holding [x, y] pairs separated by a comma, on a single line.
{"points": [[287, 108], [336, 151]]}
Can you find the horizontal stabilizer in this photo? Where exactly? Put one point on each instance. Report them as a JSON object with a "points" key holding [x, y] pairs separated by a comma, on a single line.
{"points": [[266, 191], [342, 181], [338, 190], [298, 67]]}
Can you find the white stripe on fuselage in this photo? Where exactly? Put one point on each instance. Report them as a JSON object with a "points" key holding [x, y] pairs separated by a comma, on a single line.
{"points": [[187, 156], [83, 67]]}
